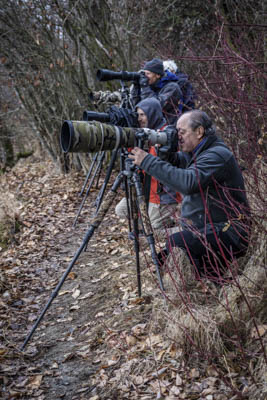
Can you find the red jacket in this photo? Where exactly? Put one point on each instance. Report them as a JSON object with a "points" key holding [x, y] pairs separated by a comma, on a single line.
{"points": [[154, 197]]}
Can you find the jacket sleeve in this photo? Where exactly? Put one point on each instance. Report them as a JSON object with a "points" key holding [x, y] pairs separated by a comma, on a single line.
{"points": [[135, 94], [178, 159], [187, 180], [169, 94]]}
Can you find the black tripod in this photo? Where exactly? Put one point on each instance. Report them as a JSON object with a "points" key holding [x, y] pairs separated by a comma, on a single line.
{"points": [[137, 209], [126, 103], [137, 212]]}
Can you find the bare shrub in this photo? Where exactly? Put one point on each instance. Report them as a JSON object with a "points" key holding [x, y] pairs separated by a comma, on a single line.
{"points": [[225, 321]]}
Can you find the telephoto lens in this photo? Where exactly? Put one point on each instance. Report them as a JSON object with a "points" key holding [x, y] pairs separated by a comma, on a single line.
{"points": [[107, 75], [90, 137], [95, 116]]}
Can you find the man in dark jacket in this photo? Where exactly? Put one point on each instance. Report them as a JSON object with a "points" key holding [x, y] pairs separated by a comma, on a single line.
{"points": [[155, 82], [215, 210], [162, 200]]}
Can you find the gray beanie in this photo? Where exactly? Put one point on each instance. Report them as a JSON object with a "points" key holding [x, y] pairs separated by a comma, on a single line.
{"points": [[155, 65]]}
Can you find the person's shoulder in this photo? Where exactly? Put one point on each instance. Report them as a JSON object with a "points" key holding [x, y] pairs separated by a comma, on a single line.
{"points": [[171, 86], [218, 149], [219, 143]]}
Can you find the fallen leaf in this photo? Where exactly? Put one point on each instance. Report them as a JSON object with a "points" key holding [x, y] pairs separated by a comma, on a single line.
{"points": [[154, 340], [259, 331], [174, 390], [130, 340], [76, 293], [35, 381], [104, 275], [178, 380], [64, 292], [100, 314], [160, 355], [85, 296], [72, 275], [194, 373], [138, 329]]}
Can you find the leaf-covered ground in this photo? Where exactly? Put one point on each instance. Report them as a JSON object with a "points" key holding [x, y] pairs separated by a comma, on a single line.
{"points": [[98, 339]]}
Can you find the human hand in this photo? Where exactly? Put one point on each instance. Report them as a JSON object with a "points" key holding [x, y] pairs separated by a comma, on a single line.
{"points": [[137, 155], [143, 80]]}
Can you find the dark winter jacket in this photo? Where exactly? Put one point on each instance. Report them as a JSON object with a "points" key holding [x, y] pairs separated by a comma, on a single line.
{"points": [[210, 181], [169, 94]]}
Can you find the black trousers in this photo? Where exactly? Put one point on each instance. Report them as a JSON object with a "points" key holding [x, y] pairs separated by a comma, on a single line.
{"points": [[212, 248]]}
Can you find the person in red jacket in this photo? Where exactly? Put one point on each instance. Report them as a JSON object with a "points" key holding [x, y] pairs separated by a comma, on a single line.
{"points": [[162, 201]]}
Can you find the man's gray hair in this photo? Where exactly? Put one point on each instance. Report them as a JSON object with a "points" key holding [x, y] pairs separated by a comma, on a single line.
{"points": [[200, 118], [170, 65]]}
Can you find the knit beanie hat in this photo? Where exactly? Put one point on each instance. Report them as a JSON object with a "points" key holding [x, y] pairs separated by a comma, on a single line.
{"points": [[155, 65]]}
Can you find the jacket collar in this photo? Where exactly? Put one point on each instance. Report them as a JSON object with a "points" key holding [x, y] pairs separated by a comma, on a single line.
{"points": [[203, 145]]}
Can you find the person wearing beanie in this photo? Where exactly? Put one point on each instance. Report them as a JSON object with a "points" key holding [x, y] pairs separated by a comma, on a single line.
{"points": [[162, 201], [155, 82]]}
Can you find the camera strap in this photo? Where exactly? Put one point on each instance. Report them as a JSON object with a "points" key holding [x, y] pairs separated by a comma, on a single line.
{"points": [[118, 131]]}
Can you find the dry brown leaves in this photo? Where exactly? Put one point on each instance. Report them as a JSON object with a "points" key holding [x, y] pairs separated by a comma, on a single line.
{"points": [[99, 341]]}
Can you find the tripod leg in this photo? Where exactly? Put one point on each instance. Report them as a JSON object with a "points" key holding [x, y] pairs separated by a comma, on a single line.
{"points": [[89, 173], [110, 168], [94, 225], [137, 255], [89, 187], [147, 224], [99, 173], [55, 292], [133, 215]]}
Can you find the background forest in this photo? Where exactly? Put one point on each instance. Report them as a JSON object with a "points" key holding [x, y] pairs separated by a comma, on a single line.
{"points": [[49, 54], [51, 50]]}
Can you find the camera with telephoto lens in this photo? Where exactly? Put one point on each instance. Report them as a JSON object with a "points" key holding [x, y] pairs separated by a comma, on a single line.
{"points": [[115, 115], [93, 136]]}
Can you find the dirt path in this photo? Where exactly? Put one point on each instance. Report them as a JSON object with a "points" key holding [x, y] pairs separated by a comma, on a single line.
{"points": [[86, 333], [98, 340]]}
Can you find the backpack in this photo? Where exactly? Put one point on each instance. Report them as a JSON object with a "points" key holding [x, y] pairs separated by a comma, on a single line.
{"points": [[187, 89]]}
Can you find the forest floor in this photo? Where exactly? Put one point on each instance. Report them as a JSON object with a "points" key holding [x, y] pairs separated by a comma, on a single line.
{"points": [[98, 339]]}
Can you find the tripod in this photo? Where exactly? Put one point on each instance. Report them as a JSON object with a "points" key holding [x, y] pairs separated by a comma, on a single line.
{"points": [[137, 209], [126, 103]]}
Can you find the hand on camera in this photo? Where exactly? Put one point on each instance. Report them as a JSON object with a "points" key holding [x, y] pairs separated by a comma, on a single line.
{"points": [[165, 152], [143, 80], [137, 155]]}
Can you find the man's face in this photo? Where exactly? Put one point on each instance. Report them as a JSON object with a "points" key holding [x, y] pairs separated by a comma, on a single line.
{"points": [[142, 118], [151, 76], [188, 139]]}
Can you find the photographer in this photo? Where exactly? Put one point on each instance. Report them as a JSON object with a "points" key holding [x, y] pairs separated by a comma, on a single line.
{"points": [[162, 85], [189, 96], [215, 212], [162, 201]]}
